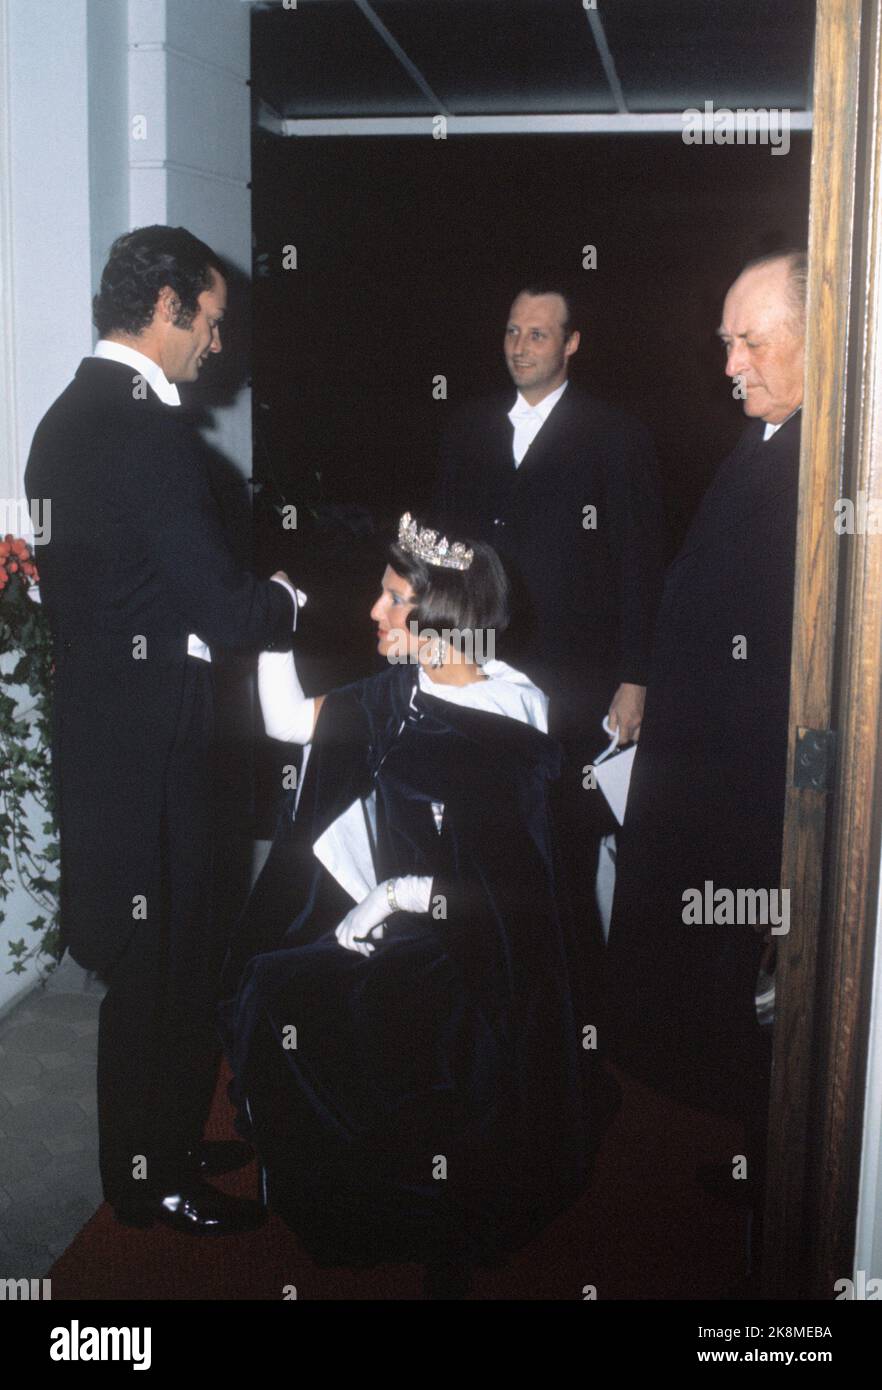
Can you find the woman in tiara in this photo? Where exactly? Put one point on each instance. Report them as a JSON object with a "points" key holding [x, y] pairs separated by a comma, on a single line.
{"points": [[408, 1056]]}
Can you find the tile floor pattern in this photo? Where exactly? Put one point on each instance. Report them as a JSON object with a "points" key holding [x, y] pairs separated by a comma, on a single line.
{"points": [[49, 1183]]}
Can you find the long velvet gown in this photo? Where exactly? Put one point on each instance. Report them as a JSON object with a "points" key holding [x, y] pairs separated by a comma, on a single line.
{"points": [[430, 1101]]}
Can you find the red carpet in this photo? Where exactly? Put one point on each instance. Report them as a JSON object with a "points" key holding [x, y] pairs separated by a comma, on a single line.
{"points": [[644, 1230]]}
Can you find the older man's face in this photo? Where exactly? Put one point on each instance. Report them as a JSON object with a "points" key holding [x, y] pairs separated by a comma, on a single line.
{"points": [[764, 345]]}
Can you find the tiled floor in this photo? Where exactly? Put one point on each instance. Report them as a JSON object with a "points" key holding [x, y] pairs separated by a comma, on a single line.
{"points": [[49, 1184]]}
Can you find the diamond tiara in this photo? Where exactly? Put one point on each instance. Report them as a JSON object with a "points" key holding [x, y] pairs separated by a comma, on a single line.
{"points": [[428, 546]]}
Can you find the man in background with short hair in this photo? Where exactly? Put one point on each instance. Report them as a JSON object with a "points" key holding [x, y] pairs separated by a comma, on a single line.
{"points": [[564, 487]]}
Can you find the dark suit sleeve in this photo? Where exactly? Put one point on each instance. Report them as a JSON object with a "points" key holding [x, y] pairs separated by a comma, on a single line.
{"points": [[218, 599], [638, 548], [454, 501]]}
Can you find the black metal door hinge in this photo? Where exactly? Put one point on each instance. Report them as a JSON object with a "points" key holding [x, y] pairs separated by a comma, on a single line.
{"points": [[815, 759]]}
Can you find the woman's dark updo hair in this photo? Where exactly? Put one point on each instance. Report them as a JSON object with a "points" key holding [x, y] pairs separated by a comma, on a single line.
{"points": [[139, 265], [455, 601]]}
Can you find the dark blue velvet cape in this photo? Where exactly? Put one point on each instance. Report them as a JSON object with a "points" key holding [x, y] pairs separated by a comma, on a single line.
{"points": [[436, 1102]]}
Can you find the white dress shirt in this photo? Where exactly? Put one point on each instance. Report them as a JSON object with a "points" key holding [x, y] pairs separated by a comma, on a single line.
{"points": [[772, 429], [505, 691], [168, 393], [529, 419]]}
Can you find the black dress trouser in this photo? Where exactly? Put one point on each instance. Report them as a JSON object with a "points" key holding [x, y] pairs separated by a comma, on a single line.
{"points": [[158, 1046]]}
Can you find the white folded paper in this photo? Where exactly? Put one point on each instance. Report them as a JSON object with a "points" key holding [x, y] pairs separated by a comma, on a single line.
{"points": [[612, 771]]}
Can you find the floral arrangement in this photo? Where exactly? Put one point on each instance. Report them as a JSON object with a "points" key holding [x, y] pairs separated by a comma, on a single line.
{"points": [[25, 756]]}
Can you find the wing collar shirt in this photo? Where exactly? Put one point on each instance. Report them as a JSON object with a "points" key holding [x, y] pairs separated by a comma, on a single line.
{"points": [[529, 419], [168, 393]]}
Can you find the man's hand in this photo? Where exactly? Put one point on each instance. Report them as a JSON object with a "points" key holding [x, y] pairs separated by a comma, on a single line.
{"points": [[626, 712]]}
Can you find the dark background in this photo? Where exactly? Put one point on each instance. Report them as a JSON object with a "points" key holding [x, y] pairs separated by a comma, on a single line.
{"points": [[409, 252]]}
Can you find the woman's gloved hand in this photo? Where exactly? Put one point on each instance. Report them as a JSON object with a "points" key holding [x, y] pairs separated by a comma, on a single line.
{"points": [[364, 924]]}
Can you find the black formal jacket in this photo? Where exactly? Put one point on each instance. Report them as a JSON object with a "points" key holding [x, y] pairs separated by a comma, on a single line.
{"points": [[584, 597], [706, 802], [135, 561]]}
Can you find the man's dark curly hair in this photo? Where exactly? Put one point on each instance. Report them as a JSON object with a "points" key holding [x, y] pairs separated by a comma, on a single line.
{"points": [[139, 265]]}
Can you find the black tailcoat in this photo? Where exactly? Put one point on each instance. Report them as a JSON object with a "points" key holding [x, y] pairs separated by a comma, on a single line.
{"points": [[584, 597], [135, 551], [707, 796]]}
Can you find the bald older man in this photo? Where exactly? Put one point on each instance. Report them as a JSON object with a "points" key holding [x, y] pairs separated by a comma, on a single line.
{"points": [[700, 853]]}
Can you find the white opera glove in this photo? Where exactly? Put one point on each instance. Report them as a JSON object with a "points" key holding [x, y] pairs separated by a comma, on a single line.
{"points": [[365, 923], [287, 714]]}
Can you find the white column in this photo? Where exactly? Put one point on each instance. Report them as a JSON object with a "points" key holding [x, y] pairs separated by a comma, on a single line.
{"points": [[108, 93], [8, 421], [47, 251], [190, 154], [45, 270]]}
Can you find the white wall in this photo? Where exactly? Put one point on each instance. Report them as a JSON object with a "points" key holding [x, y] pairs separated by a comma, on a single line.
{"points": [[72, 177], [46, 256], [108, 94], [189, 65], [49, 198]]}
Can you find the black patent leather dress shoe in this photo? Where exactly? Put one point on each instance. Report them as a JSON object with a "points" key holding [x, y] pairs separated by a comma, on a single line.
{"points": [[211, 1157], [196, 1207]]}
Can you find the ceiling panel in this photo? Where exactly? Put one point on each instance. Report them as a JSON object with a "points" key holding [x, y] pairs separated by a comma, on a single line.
{"points": [[502, 57], [752, 53], [324, 59]]}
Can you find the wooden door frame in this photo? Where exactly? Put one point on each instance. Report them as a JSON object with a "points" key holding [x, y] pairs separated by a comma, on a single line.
{"points": [[832, 833]]}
